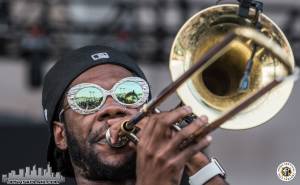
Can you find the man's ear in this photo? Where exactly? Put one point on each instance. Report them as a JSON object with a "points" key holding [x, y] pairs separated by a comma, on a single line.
{"points": [[60, 137]]}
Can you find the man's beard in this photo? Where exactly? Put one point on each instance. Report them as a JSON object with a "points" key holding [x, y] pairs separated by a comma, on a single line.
{"points": [[93, 168]]}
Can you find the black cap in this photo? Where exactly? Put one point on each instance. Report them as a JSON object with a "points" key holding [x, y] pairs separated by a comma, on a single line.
{"points": [[66, 70]]}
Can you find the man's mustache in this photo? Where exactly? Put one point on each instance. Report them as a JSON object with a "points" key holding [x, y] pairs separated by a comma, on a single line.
{"points": [[98, 135]]}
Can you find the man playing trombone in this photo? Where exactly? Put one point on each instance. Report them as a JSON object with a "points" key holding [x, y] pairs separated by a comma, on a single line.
{"points": [[96, 88]]}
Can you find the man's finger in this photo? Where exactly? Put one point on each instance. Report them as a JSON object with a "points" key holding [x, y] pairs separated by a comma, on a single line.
{"points": [[187, 131], [192, 149], [166, 119]]}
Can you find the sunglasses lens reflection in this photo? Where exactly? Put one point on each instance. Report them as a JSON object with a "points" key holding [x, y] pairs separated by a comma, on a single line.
{"points": [[89, 98], [129, 92]]}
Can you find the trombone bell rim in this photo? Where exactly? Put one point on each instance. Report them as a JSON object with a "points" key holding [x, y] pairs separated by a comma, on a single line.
{"points": [[180, 57]]}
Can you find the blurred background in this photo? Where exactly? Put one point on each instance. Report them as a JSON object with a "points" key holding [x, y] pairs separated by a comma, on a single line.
{"points": [[33, 33]]}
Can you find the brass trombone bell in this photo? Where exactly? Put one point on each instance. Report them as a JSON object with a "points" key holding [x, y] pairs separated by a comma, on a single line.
{"points": [[207, 61], [214, 89]]}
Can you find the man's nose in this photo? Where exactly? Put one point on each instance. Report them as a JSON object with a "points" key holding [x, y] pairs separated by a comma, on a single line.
{"points": [[111, 109]]}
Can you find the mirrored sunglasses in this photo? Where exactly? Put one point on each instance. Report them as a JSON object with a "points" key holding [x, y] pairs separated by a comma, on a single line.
{"points": [[88, 98]]}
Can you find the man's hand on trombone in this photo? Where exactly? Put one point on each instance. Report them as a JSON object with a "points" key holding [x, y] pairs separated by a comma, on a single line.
{"points": [[160, 159]]}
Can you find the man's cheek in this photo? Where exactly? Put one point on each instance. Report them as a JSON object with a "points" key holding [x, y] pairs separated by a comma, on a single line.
{"points": [[80, 137]]}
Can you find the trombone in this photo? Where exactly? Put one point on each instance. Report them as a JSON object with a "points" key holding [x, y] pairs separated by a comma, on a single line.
{"points": [[222, 61]]}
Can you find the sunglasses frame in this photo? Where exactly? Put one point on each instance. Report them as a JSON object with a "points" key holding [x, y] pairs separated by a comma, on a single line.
{"points": [[73, 91]]}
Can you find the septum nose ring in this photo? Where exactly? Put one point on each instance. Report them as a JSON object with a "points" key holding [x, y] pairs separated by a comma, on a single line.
{"points": [[122, 141]]}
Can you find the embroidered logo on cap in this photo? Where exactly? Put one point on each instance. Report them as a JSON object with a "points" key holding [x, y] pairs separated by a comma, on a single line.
{"points": [[98, 56]]}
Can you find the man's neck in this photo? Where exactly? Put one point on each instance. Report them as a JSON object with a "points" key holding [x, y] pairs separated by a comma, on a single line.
{"points": [[80, 180]]}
